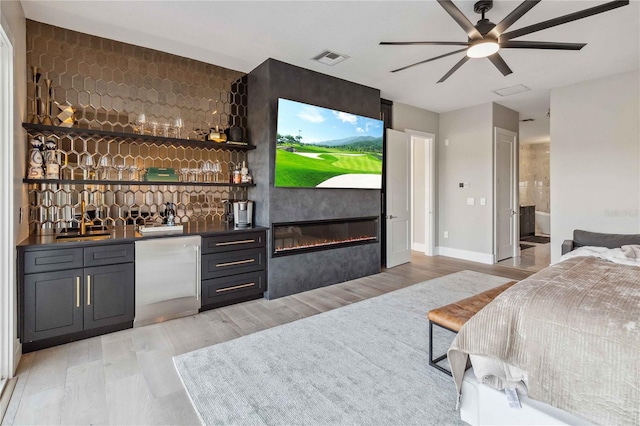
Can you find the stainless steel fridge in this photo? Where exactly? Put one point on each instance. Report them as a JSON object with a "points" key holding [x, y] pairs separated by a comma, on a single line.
{"points": [[167, 279]]}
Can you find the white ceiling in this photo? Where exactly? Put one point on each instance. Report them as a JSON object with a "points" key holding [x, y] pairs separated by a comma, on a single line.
{"points": [[242, 34]]}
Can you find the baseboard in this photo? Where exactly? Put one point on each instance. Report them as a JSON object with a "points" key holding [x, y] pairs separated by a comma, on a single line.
{"points": [[17, 354], [473, 256], [421, 247]]}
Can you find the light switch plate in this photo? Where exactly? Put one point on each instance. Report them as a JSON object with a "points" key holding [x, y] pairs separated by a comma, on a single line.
{"points": [[471, 201], [483, 201]]}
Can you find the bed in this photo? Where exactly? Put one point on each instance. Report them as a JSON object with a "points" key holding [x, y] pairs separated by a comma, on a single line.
{"points": [[567, 339]]}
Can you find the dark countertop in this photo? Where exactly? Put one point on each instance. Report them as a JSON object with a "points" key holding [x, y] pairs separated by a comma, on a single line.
{"points": [[129, 233]]}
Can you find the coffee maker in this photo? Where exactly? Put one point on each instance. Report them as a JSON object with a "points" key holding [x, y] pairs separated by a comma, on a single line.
{"points": [[242, 214]]}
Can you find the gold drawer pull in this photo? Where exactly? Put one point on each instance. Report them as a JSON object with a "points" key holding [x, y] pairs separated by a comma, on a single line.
{"points": [[239, 262], [88, 290], [230, 243], [235, 287], [77, 292]]}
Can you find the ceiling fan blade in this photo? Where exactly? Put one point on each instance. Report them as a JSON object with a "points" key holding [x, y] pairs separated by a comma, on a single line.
{"points": [[424, 43], [454, 69], [541, 45], [511, 18], [497, 60], [564, 19], [461, 19], [431, 59]]}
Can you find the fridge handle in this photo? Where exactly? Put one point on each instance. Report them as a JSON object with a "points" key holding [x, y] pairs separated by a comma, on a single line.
{"points": [[198, 273]]}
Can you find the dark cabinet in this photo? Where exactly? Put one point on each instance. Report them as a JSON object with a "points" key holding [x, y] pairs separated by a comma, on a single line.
{"points": [[109, 298], [61, 304], [233, 268], [527, 221], [53, 304]]}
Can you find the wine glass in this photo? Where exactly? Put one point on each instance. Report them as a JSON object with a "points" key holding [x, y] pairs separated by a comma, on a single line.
{"points": [[185, 174], [87, 165], [196, 172], [104, 165], [165, 129], [217, 169], [207, 170], [133, 173], [118, 164]]}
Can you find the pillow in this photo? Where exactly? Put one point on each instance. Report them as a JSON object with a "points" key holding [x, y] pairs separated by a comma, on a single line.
{"points": [[585, 238]]}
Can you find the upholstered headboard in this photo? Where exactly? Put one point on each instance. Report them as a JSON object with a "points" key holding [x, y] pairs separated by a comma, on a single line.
{"points": [[585, 238]]}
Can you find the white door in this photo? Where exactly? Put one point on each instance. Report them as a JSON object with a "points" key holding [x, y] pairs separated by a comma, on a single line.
{"points": [[506, 219], [398, 166], [7, 247]]}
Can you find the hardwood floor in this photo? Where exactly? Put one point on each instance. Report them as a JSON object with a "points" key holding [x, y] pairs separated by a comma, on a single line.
{"points": [[128, 377]]}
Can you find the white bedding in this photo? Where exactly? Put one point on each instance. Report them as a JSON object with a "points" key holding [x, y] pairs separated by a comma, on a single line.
{"points": [[615, 255]]}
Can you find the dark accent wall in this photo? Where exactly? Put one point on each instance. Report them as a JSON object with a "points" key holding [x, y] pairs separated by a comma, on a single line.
{"points": [[292, 274]]}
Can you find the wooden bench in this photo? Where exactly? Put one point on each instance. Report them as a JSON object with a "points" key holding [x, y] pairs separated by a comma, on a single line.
{"points": [[454, 315]]}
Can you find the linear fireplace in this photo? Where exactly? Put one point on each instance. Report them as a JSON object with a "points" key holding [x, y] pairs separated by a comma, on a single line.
{"points": [[300, 237]]}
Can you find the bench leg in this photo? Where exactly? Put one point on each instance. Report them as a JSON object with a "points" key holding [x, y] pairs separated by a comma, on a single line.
{"points": [[434, 362]]}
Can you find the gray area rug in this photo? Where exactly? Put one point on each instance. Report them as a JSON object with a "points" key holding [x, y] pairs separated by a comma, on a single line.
{"points": [[366, 364]]}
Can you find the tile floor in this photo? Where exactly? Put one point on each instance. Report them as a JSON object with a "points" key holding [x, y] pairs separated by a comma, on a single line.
{"points": [[531, 259]]}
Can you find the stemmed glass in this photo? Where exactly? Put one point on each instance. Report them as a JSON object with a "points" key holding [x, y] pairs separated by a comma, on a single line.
{"points": [[104, 165], [185, 174], [87, 165], [217, 168], [118, 164], [133, 173], [207, 170], [196, 174]]}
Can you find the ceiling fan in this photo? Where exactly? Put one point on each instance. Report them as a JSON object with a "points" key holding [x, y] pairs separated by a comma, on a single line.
{"points": [[487, 38]]}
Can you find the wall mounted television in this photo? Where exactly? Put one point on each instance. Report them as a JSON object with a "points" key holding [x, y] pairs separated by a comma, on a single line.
{"points": [[323, 148]]}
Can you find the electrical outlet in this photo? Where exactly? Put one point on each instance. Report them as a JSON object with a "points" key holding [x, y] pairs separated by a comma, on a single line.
{"points": [[483, 201], [446, 142], [471, 201], [446, 234]]}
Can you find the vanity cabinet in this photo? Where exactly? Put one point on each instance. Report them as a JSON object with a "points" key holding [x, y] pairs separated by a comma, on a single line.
{"points": [[233, 268], [75, 293], [527, 221]]}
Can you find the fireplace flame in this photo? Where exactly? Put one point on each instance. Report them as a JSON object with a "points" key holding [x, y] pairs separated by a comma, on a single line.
{"points": [[321, 243]]}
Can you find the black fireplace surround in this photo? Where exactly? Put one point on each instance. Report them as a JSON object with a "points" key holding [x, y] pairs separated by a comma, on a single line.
{"points": [[312, 235]]}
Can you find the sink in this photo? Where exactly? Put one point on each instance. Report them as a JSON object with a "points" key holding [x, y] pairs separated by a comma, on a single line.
{"points": [[91, 236]]}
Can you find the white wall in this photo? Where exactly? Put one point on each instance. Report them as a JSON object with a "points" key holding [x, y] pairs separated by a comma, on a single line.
{"points": [[13, 23], [406, 117], [467, 158], [595, 158]]}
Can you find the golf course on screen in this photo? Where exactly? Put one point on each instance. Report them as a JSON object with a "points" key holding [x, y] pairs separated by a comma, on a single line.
{"points": [[319, 147]]}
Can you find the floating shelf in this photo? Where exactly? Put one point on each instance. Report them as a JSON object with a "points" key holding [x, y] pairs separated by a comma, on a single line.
{"points": [[134, 183], [149, 138]]}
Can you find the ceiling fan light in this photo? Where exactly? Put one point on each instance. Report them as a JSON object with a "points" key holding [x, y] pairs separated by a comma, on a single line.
{"points": [[482, 49]]}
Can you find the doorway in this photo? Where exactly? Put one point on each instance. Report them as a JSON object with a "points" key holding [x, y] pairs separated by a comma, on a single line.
{"points": [[422, 192], [410, 195], [6, 210]]}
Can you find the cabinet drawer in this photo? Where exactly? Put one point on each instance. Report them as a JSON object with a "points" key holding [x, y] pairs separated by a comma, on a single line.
{"points": [[234, 287], [52, 260], [108, 255], [233, 262], [222, 243]]}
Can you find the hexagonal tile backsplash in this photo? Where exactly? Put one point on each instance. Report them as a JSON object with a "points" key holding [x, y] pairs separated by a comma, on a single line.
{"points": [[110, 84]]}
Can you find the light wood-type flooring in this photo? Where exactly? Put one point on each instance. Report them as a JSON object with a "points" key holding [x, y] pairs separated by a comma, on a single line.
{"points": [[128, 377]]}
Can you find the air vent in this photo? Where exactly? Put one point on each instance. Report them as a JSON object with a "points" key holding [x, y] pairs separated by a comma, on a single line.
{"points": [[330, 58], [512, 90]]}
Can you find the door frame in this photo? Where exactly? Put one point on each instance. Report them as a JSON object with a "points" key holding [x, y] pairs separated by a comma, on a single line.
{"points": [[515, 196], [7, 247], [430, 178]]}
